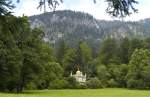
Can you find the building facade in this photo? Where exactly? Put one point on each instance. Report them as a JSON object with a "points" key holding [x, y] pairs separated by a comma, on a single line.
{"points": [[79, 77]]}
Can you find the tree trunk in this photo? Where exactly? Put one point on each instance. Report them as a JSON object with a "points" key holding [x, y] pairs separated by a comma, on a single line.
{"points": [[21, 83]]}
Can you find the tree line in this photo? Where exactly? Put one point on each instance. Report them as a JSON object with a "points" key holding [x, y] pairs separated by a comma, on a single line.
{"points": [[28, 62]]}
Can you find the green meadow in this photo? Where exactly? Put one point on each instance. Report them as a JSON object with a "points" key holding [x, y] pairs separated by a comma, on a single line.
{"points": [[109, 92]]}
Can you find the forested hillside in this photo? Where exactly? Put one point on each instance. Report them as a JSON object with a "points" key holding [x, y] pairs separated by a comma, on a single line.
{"points": [[73, 27]]}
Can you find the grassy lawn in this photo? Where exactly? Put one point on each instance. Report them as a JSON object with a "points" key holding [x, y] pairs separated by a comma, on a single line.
{"points": [[82, 93]]}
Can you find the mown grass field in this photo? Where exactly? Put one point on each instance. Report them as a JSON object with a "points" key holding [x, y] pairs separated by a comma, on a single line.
{"points": [[82, 93]]}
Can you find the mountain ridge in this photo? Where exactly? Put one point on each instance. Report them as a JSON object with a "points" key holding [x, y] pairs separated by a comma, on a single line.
{"points": [[74, 26]]}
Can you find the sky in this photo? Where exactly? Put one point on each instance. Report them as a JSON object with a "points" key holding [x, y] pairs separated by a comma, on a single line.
{"points": [[29, 8]]}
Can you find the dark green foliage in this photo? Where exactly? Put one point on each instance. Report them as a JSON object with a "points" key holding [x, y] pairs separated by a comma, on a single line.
{"points": [[50, 69], [10, 59], [23, 53], [103, 74], [135, 43], [139, 69], [58, 84], [61, 51], [52, 4], [94, 83], [147, 43], [31, 86], [29, 45], [118, 75], [84, 57], [123, 52], [10, 62], [112, 83], [53, 71], [121, 8], [72, 82], [69, 61], [5, 6], [108, 52]]}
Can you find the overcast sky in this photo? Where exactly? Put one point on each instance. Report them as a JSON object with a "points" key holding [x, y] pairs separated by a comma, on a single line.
{"points": [[29, 7]]}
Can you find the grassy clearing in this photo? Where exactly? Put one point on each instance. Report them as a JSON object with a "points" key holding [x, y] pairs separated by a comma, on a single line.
{"points": [[82, 93]]}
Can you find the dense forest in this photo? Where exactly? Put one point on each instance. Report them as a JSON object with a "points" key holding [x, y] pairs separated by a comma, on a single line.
{"points": [[73, 26], [28, 62]]}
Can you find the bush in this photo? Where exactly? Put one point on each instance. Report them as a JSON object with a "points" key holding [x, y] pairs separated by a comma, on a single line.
{"points": [[68, 83], [94, 83], [71, 83], [112, 83], [80, 86], [103, 74], [139, 84], [31, 86], [58, 84]]}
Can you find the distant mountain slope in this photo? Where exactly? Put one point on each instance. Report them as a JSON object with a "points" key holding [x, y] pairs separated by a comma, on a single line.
{"points": [[74, 26]]}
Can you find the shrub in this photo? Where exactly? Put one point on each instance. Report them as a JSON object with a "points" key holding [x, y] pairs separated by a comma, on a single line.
{"points": [[31, 86], [71, 82], [58, 84], [94, 83], [112, 83]]}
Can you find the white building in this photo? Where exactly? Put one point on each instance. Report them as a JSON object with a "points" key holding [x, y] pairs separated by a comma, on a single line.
{"points": [[79, 77]]}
